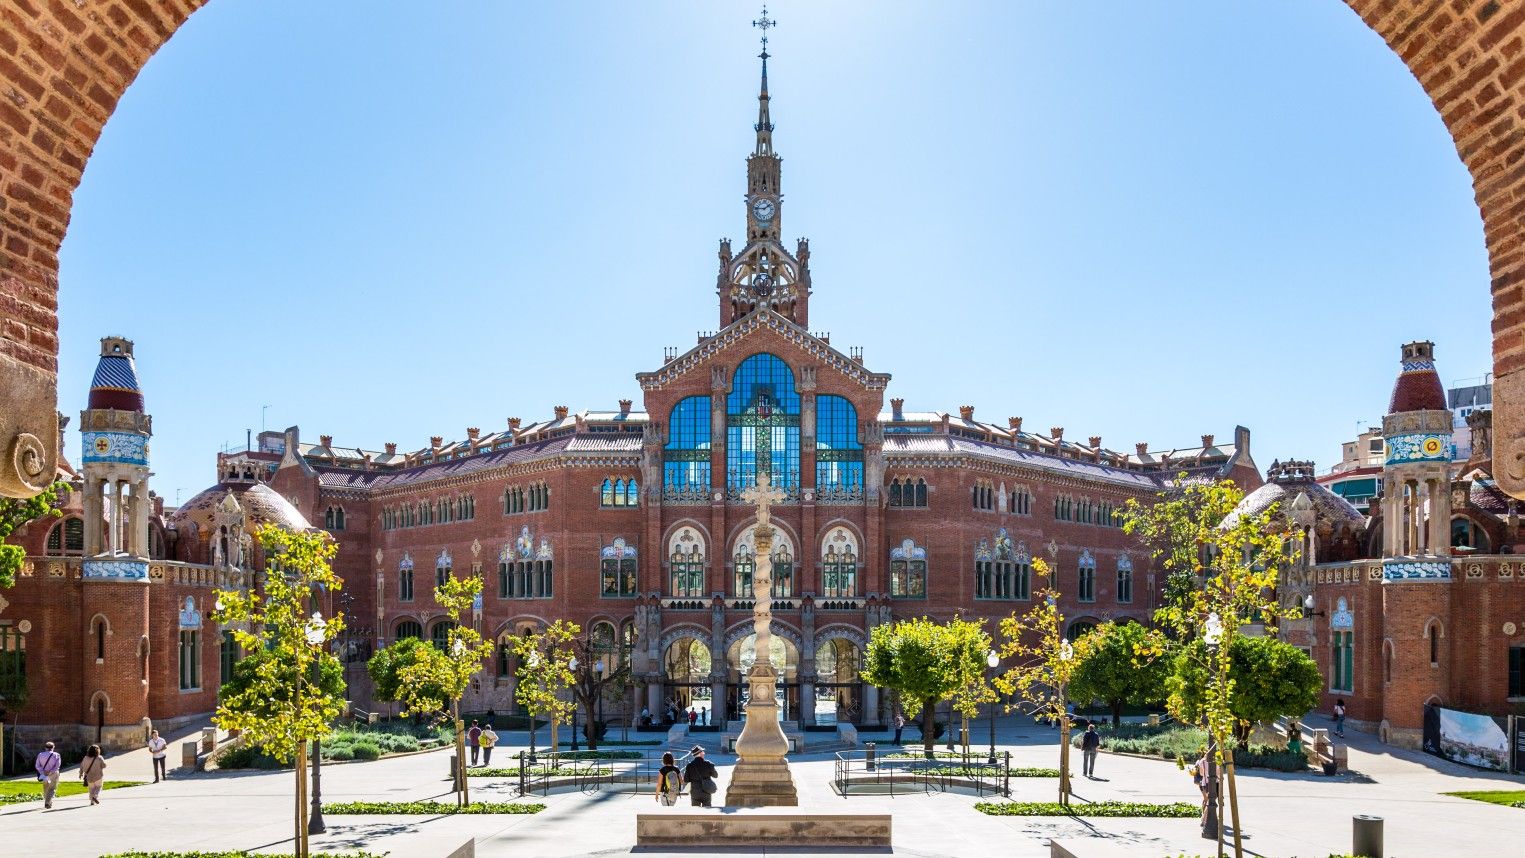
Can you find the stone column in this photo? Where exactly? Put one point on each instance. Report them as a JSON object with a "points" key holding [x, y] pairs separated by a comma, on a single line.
{"points": [[720, 668], [1440, 517], [807, 663], [115, 518]]}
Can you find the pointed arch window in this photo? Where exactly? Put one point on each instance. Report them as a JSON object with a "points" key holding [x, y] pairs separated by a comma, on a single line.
{"points": [[1125, 579], [839, 566], [763, 424], [838, 455], [442, 568], [618, 492], [67, 537], [1086, 584], [908, 492], [405, 579], [908, 571]]}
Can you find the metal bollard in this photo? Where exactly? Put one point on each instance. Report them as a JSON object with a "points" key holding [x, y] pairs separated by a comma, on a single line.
{"points": [[869, 749], [452, 768], [1366, 836]]}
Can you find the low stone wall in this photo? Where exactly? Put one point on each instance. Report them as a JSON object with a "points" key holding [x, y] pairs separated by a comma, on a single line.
{"points": [[775, 827]]}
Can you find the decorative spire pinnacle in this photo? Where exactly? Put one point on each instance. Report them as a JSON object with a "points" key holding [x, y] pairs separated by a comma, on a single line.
{"points": [[764, 126]]}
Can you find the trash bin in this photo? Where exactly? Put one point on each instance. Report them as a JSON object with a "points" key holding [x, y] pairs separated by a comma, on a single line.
{"points": [[1330, 768], [870, 749], [1366, 836]]}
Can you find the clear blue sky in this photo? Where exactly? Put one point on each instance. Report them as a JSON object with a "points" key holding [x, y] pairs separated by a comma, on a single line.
{"points": [[1145, 221]]}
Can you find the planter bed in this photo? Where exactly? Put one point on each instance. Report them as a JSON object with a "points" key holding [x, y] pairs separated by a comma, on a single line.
{"points": [[1174, 810], [427, 808]]}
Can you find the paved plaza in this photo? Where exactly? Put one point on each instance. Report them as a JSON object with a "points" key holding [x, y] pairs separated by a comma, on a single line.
{"points": [[1305, 815]]}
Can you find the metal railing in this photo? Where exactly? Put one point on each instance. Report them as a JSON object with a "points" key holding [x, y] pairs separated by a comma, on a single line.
{"points": [[906, 773], [545, 771]]}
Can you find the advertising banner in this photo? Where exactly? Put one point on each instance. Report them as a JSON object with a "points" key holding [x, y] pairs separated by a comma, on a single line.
{"points": [[1468, 737]]}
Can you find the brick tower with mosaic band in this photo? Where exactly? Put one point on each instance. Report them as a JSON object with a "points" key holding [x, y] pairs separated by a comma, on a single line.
{"points": [[1416, 538]]}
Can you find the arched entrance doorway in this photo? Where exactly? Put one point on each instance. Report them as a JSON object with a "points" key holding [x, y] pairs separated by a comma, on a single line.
{"points": [[785, 656], [839, 686], [686, 666]]}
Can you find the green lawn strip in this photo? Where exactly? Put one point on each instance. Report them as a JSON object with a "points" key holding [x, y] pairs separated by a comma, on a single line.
{"points": [[15, 792], [1505, 797], [548, 771], [428, 807], [1179, 809], [239, 853]]}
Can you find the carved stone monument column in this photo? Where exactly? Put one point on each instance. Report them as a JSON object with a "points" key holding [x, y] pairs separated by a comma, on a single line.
{"points": [[761, 777]]}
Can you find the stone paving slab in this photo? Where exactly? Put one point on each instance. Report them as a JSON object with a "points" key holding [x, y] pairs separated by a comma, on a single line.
{"points": [[1286, 815]]}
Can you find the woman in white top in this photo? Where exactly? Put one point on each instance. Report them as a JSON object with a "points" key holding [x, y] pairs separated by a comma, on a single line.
{"points": [[158, 749]]}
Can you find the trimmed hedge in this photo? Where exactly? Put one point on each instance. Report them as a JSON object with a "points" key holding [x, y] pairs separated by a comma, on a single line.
{"points": [[428, 808], [1174, 810], [366, 751], [1174, 741]]}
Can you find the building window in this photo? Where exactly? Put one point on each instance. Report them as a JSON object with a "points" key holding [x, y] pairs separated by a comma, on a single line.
{"points": [[539, 497], [227, 656], [763, 424], [1124, 579], [513, 500], [1467, 536], [839, 573], [783, 572], [1343, 646], [983, 496], [1080, 628], [409, 629], [742, 573], [686, 459], [440, 634], [906, 492], [908, 571], [618, 493], [1517, 671], [99, 627], [505, 655], [838, 455], [441, 575], [1433, 633], [67, 537], [333, 518], [617, 569], [190, 660], [1003, 571], [1086, 586], [1021, 501], [686, 569], [405, 584]]}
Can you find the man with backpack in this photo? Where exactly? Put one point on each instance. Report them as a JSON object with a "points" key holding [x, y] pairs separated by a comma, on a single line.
{"points": [[700, 776]]}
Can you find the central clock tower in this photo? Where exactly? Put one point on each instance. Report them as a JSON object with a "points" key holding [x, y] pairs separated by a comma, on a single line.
{"points": [[763, 273]]}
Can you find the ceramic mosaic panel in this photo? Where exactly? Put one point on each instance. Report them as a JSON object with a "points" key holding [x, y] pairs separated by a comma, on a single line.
{"points": [[116, 570], [1416, 570], [1419, 447], [128, 448]]}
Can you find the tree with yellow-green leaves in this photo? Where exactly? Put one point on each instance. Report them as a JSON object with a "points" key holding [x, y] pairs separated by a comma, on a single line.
{"points": [[1045, 662], [926, 661], [435, 678], [283, 704], [546, 676], [1222, 566]]}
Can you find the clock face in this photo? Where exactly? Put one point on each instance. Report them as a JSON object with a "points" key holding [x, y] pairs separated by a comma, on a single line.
{"points": [[764, 209]]}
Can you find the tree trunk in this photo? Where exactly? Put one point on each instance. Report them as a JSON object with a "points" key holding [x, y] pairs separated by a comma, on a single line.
{"points": [[928, 724], [462, 798], [301, 772], [592, 728], [1117, 713], [1233, 803], [1064, 757]]}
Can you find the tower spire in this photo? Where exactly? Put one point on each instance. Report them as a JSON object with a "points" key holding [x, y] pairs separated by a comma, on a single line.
{"points": [[764, 124]]}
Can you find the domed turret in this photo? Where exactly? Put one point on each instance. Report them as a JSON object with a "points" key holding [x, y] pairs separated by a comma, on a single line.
{"points": [[1418, 386], [115, 384], [1291, 484]]}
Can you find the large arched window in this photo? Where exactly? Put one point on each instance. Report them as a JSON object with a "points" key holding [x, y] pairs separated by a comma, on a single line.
{"points": [[908, 571], [1467, 536], [67, 537], [409, 629], [838, 455], [1086, 587], [617, 569], [762, 424], [686, 564], [839, 565], [745, 566], [686, 460]]}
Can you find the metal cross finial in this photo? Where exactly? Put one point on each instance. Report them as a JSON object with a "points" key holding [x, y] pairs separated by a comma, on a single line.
{"points": [[764, 23]]}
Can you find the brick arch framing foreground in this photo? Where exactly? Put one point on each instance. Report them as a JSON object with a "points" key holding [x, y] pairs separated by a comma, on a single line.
{"points": [[64, 64]]}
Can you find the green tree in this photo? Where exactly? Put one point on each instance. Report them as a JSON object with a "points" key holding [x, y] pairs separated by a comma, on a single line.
{"points": [[545, 673], [280, 707], [927, 661], [386, 665], [1120, 668], [429, 678], [1271, 678], [589, 683], [1234, 559], [249, 670], [14, 513], [1045, 664]]}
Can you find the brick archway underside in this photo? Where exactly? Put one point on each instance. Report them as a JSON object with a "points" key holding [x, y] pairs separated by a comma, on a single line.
{"points": [[65, 63]]}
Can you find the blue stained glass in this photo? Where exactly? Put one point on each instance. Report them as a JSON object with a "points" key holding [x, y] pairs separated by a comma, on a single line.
{"points": [[687, 461], [839, 456], [763, 419]]}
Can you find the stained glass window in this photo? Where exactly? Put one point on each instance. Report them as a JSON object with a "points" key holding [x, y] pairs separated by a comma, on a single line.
{"points": [[763, 423], [839, 456], [686, 461]]}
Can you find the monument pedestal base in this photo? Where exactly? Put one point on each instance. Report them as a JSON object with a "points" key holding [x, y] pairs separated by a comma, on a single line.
{"points": [[758, 783]]}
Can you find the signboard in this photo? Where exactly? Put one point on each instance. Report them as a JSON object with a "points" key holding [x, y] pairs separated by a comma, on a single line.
{"points": [[1469, 738]]}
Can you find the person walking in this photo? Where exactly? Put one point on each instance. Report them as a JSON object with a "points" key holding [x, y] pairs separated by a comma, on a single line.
{"points": [[48, 765], [700, 775], [473, 739], [704, 715], [1089, 744], [1339, 717], [693, 716], [645, 716], [92, 770], [669, 781], [158, 749], [487, 739], [899, 725]]}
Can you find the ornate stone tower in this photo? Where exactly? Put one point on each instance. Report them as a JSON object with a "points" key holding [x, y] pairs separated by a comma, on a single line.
{"points": [[115, 433], [1416, 548], [763, 274], [115, 593]]}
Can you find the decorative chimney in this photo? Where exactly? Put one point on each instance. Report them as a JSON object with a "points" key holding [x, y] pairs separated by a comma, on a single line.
{"points": [[625, 407], [897, 408], [966, 412], [473, 433], [514, 423], [1141, 448], [436, 441], [391, 448], [561, 412], [325, 440], [1015, 423], [1057, 433], [1094, 442], [1207, 440]]}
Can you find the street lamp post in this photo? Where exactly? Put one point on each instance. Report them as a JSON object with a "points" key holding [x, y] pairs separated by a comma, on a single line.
{"points": [[315, 629], [577, 680], [1212, 828], [598, 668], [534, 661], [993, 661]]}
